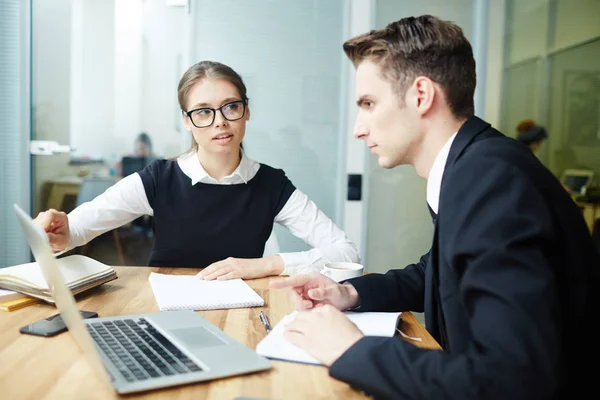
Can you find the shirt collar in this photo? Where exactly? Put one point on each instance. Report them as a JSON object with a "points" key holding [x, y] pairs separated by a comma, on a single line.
{"points": [[191, 166], [434, 181]]}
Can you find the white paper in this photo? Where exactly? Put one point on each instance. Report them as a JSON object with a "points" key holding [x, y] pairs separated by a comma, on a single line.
{"points": [[188, 292], [275, 346]]}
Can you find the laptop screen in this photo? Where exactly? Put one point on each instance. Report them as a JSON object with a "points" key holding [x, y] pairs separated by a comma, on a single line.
{"points": [[576, 180], [62, 296], [576, 183]]}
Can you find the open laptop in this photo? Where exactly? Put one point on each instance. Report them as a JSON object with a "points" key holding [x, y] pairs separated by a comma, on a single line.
{"points": [[143, 351], [577, 180]]}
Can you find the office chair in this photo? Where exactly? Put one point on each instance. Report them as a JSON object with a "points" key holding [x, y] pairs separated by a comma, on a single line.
{"points": [[90, 189]]}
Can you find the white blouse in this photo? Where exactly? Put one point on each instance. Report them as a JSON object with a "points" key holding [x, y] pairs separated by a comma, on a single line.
{"points": [[126, 201]]}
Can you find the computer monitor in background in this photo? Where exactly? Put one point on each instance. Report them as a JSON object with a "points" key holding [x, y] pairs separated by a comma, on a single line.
{"points": [[131, 164], [577, 180]]}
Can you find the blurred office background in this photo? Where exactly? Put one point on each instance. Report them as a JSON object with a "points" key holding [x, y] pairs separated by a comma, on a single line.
{"points": [[91, 75]]}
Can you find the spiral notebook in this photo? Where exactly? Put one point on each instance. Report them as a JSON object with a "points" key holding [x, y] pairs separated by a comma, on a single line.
{"points": [[187, 292]]}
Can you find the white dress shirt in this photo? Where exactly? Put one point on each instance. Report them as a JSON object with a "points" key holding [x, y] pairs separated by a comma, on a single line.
{"points": [[434, 181], [126, 201]]}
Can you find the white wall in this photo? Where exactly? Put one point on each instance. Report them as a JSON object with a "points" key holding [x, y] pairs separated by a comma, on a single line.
{"points": [[495, 62], [128, 76], [528, 21], [361, 20], [93, 83], [457, 11], [576, 21], [51, 82], [162, 52], [125, 64]]}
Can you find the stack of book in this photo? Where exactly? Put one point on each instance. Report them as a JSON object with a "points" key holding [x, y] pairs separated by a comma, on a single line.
{"points": [[10, 301], [80, 273]]}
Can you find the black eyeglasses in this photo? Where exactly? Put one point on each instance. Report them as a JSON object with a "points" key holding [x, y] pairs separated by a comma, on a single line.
{"points": [[205, 116]]}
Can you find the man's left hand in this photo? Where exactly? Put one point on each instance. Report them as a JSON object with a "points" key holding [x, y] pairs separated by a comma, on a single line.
{"points": [[323, 332], [244, 268]]}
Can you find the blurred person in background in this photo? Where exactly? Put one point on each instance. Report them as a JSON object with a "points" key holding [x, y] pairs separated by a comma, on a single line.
{"points": [[142, 147], [531, 135]]}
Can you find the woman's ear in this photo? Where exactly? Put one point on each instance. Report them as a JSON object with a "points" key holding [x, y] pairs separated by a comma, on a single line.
{"points": [[186, 122], [247, 113]]}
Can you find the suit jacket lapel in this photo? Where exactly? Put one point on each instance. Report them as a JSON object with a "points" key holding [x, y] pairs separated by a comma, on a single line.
{"points": [[434, 315], [432, 300]]}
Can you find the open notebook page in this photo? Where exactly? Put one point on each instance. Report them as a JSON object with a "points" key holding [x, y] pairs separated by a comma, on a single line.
{"points": [[275, 346], [75, 268], [187, 292]]}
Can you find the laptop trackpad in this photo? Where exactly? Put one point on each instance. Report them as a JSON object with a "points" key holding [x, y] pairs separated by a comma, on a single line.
{"points": [[197, 337]]}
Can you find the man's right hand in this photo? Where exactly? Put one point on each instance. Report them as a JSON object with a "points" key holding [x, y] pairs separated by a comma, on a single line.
{"points": [[56, 225], [314, 289]]}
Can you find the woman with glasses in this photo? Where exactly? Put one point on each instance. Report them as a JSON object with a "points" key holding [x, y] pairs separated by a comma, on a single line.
{"points": [[213, 206]]}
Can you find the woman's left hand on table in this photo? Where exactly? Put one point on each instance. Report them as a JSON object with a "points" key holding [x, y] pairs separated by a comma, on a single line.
{"points": [[244, 268]]}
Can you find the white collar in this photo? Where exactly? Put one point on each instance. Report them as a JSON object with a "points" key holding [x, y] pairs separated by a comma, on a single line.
{"points": [[434, 181], [190, 165]]}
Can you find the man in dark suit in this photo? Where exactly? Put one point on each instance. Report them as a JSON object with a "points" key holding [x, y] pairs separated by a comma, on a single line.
{"points": [[509, 287]]}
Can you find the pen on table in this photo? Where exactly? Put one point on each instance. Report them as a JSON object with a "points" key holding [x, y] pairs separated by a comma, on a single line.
{"points": [[265, 321]]}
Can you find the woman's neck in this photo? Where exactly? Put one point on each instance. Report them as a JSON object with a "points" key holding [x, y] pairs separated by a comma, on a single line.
{"points": [[218, 166]]}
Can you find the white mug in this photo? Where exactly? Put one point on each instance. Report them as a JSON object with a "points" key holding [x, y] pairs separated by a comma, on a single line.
{"points": [[339, 271]]}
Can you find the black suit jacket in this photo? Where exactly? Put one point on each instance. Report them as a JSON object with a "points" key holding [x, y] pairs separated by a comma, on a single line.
{"points": [[509, 287]]}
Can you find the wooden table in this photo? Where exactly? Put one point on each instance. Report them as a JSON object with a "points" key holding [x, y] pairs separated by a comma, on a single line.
{"points": [[34, 367]]}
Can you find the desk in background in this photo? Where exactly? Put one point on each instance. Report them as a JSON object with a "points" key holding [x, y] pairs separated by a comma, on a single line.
{"points": [[591, 212], [61, 188], [54, 368]]}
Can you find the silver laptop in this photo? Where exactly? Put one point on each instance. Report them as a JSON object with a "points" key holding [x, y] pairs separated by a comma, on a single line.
{"points": [[143, 351]]}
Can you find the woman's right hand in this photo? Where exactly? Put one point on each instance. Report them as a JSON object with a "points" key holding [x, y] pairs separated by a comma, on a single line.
{"points": [[56, 225]]}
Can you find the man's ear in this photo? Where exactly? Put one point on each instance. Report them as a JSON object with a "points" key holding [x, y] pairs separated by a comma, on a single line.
{"points": [[424, 92]]}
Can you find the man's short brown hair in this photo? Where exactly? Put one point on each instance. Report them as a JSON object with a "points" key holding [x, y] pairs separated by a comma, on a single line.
{"points": [[421, 46]]}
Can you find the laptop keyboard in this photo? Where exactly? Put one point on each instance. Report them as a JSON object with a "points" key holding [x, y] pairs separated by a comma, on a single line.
{"points": [[139, 351]]}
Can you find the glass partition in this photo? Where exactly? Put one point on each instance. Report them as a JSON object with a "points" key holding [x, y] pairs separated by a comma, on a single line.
{"points": [[290, 55]]}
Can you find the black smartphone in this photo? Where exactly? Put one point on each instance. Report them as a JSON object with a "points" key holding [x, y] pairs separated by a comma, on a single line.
{"points": [[52, 326]]}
